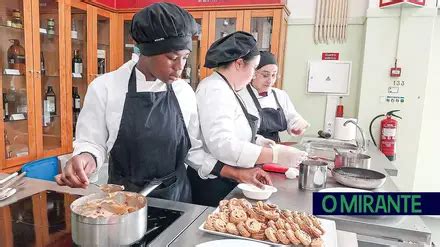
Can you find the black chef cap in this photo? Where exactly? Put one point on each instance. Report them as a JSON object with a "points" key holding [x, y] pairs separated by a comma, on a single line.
{"points": [[230, 48], [266, 58], [163, 27]]}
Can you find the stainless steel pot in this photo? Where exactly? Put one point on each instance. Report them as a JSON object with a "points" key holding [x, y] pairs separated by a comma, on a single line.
{"points": [[118, 230], [359, 177], [312, 175], [349, 159]]}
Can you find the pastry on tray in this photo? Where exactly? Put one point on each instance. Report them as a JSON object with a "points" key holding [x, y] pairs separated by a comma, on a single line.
{"points": [[266, 222]]}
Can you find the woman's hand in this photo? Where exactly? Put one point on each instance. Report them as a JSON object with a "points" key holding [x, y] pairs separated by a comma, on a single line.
{"points": [[255, 176]]}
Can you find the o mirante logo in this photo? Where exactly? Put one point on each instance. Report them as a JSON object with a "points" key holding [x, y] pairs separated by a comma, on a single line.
{"points": [[376, 203]]}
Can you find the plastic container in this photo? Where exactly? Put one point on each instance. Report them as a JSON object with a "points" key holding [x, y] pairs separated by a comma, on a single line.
{"points": [[45, 169], [253, 192]]}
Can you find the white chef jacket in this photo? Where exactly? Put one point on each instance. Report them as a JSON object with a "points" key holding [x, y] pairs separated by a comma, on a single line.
{"points": [[225, 129], [98, 123], [269, 102]]}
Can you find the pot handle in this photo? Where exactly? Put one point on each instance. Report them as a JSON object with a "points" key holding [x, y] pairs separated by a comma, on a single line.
{"points": [[150, 187]]}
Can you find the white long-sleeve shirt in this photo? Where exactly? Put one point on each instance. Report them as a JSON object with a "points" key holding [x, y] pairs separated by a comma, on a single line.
{"points": [[225, 129], [98, 123], [269, 102]]}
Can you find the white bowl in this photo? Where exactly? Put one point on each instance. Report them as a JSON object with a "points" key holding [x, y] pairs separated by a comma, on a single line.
{"points": [[253, 192]]}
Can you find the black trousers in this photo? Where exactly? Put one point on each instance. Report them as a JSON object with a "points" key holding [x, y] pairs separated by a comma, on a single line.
{"points": [[208, 192]]}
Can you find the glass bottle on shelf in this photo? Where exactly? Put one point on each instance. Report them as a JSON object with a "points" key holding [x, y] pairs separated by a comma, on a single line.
{"points": [[11, 97], [8, 152], [101, 62], [76, 100], [16, 56], [51, 101], [74, 32], [21, 101], [42, 64], [5, 107], [76, 107], [51, 26], [77, 65], [16, 19]]}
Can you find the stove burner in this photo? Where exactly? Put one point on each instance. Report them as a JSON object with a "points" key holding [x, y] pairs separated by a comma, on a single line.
{"points": [[44, 218]]}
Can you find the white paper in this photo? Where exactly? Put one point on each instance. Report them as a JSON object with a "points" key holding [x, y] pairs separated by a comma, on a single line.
{"points": [[12, 72], [43, 30], [76, 75]]}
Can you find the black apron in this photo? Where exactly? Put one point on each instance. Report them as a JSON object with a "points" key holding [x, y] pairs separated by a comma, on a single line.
{"points": [[272, 121], [152, 143], [210, 192]]}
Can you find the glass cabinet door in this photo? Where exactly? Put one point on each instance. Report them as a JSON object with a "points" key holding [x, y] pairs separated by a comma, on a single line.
{"points": [[103, 53], [260, 23], [16, 122], [129, 43], [48, 76], [194, 71], [78, 62], [225, 22], [261, 29], [266, 27]]}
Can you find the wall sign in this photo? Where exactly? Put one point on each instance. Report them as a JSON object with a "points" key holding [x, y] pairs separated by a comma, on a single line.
{"points": [[330, 56], [393, 3]]}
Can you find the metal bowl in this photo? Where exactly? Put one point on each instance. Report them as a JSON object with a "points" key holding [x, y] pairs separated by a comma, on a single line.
{"points": [[359, 177]]}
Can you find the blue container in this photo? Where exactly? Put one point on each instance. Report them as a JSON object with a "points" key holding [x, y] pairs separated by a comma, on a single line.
{"points": [[45, 169]]}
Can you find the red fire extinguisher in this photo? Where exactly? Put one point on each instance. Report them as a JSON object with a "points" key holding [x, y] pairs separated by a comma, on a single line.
{"points": [[388, 129]]}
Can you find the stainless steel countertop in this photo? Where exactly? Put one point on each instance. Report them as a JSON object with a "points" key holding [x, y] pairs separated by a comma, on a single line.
{"points": [[191, 211], [398, 228]]}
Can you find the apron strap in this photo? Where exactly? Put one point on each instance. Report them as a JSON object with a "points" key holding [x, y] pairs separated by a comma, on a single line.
{"points": [[276, 99], [252, 120], [132, 81], [246, 113], [254, 98]]}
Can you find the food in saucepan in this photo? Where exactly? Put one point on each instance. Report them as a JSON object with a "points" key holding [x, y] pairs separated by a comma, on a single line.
{"points": [[113, 204], [265, 221]]}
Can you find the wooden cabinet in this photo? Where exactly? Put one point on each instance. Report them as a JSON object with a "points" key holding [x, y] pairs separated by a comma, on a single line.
{"points": [[88, 31], [267, 23], [58, 47], [33, 88], [39, 79]]}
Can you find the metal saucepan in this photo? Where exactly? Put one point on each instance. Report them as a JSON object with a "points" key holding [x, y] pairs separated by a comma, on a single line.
{"points": [[115, 230], [359, 177], [312, 175]]}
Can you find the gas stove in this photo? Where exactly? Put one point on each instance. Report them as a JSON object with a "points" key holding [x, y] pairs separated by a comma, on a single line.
{"points": [[43, 219]]}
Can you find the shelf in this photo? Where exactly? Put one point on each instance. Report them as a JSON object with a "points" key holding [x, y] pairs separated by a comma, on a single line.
{"points": [[99, 44], [12, 121], [8, 75], [49, 76], [14, 29]]}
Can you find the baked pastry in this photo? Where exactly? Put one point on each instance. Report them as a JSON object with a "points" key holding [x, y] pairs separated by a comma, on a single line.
{"points": [[237, 216], [242, 230], [232, 229]]}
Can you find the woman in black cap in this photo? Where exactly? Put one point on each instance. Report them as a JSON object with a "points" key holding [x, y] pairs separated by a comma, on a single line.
{"points": [[228, 130], [142, 116], [272, 106]]}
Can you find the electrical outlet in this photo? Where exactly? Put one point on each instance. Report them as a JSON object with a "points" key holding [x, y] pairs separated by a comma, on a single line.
{"points": [[330, 113]]}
